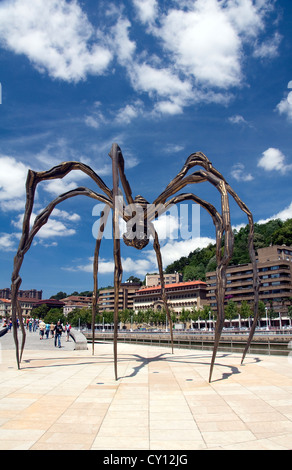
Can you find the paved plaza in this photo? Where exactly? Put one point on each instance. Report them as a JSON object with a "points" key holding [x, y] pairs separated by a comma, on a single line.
{"points": [[68, 399]]}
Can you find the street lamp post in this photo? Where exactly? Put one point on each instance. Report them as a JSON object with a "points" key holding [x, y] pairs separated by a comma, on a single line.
{"points": [[267, 325]]}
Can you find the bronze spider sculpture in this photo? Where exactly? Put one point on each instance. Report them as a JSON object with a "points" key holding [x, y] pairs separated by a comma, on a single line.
{"points": [[138, 234]]}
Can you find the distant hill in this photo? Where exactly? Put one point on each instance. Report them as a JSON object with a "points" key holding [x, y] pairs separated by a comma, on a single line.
{"points": [[202, 260]]}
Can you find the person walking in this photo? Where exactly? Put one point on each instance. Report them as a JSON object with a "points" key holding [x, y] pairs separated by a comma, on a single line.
{"points": [[67, 329], [47, 330], [58, 333], [42, 327], [52, 329]]}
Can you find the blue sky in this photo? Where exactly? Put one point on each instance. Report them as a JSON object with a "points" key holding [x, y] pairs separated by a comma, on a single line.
{"points": [[163, 79]]}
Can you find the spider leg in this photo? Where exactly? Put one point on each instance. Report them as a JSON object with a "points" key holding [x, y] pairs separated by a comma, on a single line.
{"points": [[156, 247], [256, 280], [124, 181], [114, 154], [16, 313], [26, 241], [103, 221], [180, 181], [214, 178]]}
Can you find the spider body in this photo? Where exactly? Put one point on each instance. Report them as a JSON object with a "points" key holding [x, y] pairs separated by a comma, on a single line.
{"points": [[138, 215], [136, 234]]}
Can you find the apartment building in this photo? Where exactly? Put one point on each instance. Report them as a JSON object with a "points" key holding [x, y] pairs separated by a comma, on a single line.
{"points": [[274, 265], [27, 294], [5, 308], [26, 305], [154, 279], [126, 295], [180, 295], [76, 302]]}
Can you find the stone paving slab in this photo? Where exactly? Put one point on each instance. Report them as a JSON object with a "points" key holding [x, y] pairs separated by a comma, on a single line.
{"points": [[67, 399]]}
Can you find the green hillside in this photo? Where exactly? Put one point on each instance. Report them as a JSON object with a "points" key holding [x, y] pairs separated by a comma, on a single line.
{"points": [[198, 262]]}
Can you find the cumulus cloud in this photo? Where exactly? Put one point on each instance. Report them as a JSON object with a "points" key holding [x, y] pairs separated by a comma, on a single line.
{"points": [[203, 42], [146, 10], [282, 215], [133, 266], [170, 252], [238, 172], [200, 45], [268, 49], [7, 242], [239, 120], [129, 112], [285, 106], [192, 36], [12, 183], [174, 250], [58, 225], [56, 36], [274, 160]]}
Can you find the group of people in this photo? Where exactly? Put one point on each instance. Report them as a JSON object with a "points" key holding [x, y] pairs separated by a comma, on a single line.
{"points": [[45, 329], [56, 331]]}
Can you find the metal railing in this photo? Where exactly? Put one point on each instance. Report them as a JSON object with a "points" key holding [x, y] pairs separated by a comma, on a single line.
{"points": [[261, 344]]}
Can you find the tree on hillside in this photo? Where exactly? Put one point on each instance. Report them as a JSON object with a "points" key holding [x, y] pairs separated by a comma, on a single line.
{"points": [[200, 261], [60, 295], [283, 236]]}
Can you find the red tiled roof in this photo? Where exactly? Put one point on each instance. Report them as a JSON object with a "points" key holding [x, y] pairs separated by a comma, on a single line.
{"points": [[28, 300], [77, 298], [176, 284]]}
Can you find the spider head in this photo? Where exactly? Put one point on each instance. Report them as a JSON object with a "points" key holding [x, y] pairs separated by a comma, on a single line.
{"points": [[136, 233]]}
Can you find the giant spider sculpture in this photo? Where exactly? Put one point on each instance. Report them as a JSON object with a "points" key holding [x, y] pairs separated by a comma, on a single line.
{"points": [[139, 230]]}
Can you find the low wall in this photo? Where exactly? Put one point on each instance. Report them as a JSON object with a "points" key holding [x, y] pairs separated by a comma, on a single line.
{"points": [[3, 331], [261, 344], [79, 339]]}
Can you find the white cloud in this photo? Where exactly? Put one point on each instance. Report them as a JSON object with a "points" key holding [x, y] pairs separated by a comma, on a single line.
{"points": [[7, 242], [66, 215], [12, 183], [203, 42], [136, 266], [59, 186], [58, 225], [167, 226], [174, 250], [274, 160], [146, 10], [56, 36], [55, 228], [133, 266], [282, 215], [104, 267], [124, 47], [170, 252], [285, 106], [237, 119], [93, 121], [238, 172], [268, 49], [200, 46], [129, 112], [159, 81]]}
